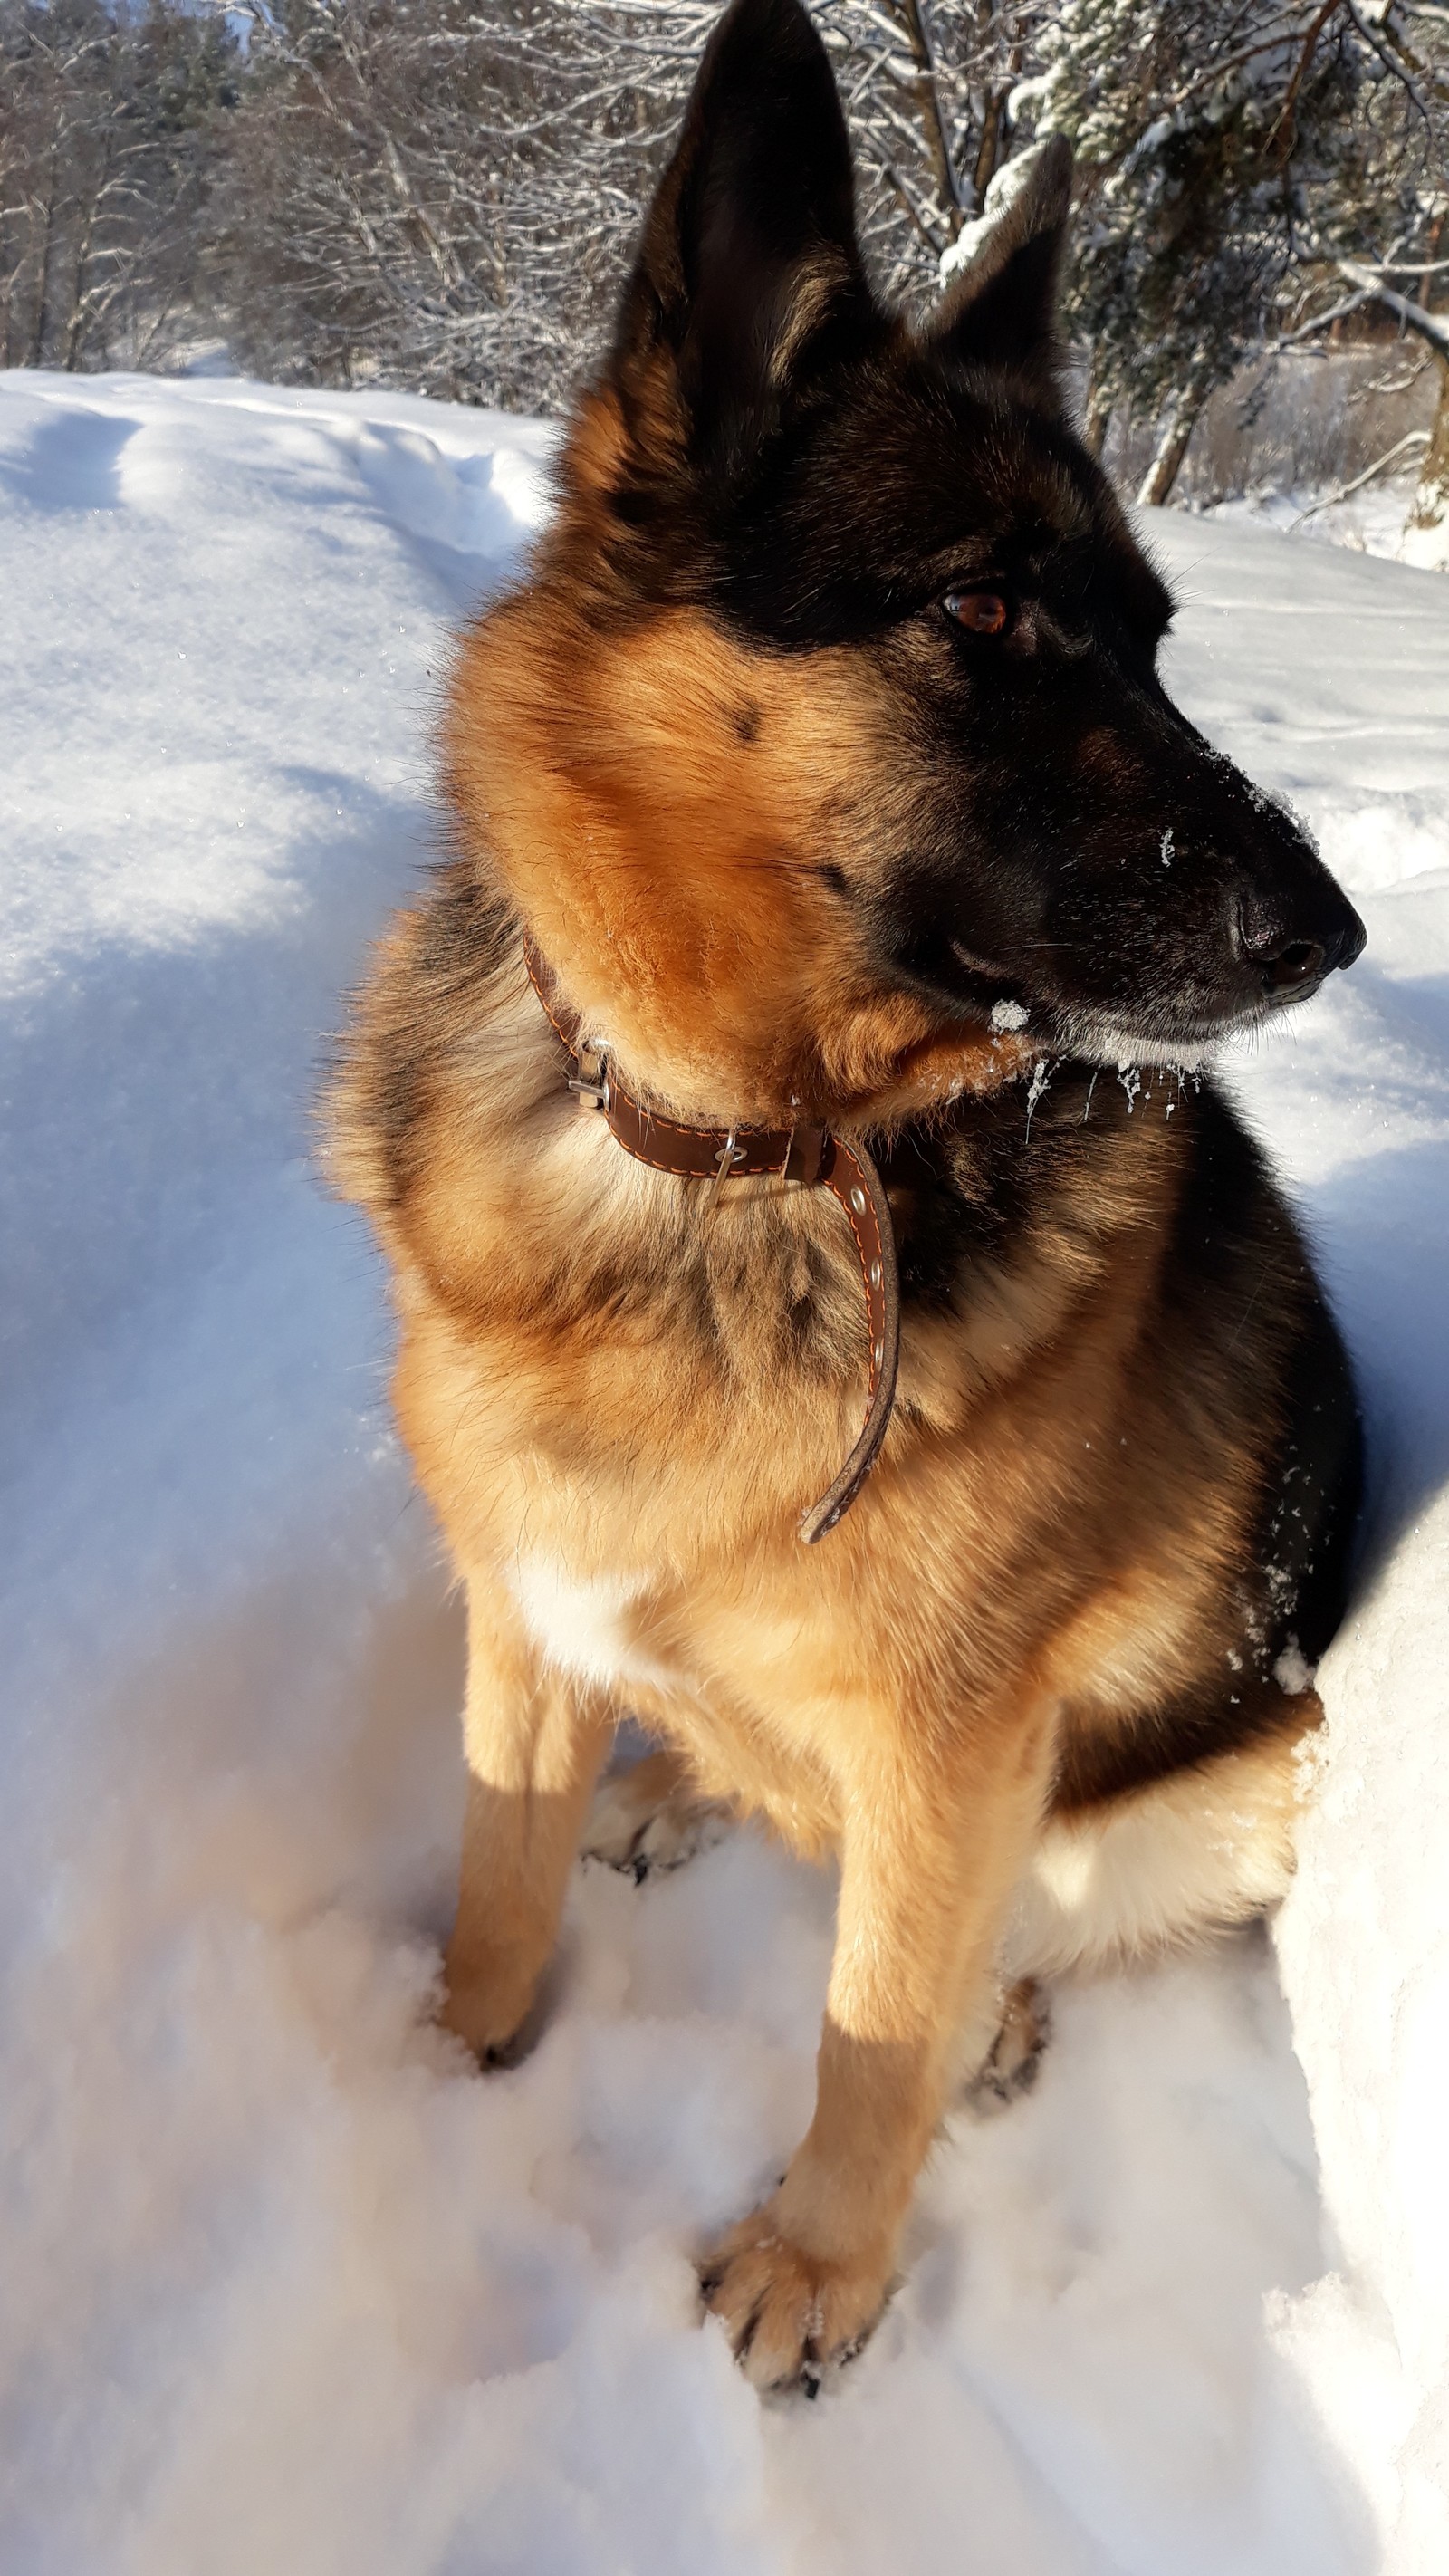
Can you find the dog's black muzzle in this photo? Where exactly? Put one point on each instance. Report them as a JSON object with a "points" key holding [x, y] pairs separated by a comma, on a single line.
{"points": [[1271, 922]]}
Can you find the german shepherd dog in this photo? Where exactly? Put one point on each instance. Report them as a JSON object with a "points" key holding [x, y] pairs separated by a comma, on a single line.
{"points": [[818, 777]]}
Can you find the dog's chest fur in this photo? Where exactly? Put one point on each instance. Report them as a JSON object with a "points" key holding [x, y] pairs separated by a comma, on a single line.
{"points": [[593, 1626]]}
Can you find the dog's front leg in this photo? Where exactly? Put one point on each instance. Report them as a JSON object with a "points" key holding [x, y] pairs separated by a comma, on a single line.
{"points": [[934, 1840], [535, 1741]]}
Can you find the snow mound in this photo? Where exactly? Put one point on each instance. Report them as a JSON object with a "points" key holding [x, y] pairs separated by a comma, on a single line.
{"points": [[286, 2285], [1370, 521]]}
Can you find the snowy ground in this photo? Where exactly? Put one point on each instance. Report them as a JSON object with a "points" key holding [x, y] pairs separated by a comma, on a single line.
{"points": [[285, 2286], [1368, 522]]}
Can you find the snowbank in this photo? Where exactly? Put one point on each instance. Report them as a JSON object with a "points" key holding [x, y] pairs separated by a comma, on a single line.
{"points": [[285, 2284], [1367, 522]]}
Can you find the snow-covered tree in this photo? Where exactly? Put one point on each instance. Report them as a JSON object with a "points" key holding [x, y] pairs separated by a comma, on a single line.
{"points": [[107, 138], [1389, 246], [437, 198], [1230, 152], [449, 197], [1187, 147]]}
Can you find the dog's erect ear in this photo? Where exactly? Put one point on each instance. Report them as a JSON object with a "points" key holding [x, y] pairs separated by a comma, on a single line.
{"points": [[748, 264], [1000, 310]]}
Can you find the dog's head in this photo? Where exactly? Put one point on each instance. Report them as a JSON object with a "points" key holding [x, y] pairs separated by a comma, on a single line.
{"points": [[826, 748]]}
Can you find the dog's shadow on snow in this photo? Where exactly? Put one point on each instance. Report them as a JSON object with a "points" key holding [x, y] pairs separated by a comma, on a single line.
{"points": [[1382, 1228]]}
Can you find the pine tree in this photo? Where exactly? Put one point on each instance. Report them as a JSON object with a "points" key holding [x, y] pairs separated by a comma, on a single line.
{"points": [[1191, 157], [1231, 152]]}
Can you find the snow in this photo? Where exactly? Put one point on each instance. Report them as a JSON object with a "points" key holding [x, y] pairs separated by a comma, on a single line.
{"points": [[286, 2285], [1368, 522]]}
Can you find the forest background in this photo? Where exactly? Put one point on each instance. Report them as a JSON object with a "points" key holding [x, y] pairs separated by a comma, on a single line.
{"points": [[438, 197]]}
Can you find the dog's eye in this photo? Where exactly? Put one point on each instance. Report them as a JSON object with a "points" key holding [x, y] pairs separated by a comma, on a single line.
{"points": [[984, 612]]}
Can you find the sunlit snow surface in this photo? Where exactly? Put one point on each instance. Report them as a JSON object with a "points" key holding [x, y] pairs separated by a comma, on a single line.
{"points": [[286, 2287]]}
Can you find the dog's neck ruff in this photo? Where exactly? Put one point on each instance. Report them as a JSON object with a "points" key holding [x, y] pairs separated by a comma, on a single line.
{"points": [[803, 1156]]}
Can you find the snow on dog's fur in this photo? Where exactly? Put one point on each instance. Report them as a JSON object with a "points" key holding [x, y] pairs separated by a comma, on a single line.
{"points": [[823, 755]]}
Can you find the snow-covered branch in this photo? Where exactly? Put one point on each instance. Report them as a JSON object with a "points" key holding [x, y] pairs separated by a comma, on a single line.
{"points": [[1433, 327]]}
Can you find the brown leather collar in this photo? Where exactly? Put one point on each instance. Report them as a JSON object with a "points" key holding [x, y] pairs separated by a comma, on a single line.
{"points": [[810, 1156]]}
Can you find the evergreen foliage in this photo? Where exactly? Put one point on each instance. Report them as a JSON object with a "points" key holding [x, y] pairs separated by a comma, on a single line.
{"points": [[1229, 153]]}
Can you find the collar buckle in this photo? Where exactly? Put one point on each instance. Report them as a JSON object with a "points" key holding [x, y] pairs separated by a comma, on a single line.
{"points": [[590, 1084]]}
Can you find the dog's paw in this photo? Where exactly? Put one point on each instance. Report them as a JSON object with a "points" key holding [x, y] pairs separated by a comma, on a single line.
{"points": [[1013, 2061], [480, 2035], [649, 1818], [789, 2316], [497, 2020]]}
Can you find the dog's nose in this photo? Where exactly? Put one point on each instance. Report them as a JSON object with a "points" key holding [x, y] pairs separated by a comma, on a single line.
{"points": [[1351, 942], [1294, 956]]}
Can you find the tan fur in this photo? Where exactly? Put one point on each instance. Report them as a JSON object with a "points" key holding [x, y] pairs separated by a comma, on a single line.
{"points": [[1192, 1854], [619, 1400]]}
